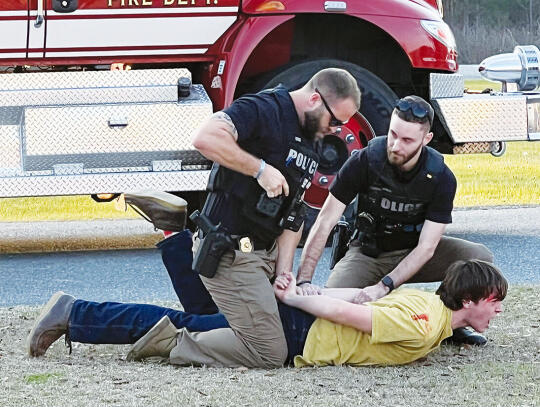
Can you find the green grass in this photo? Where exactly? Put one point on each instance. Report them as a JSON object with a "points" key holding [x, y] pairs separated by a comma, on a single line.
{"points": [[482, 84], [41, 378], [484, 180], [59, 208]]}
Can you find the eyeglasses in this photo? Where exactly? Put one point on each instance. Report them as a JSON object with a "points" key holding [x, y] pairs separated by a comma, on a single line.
{"points": [[416, 109], [334, 122]]}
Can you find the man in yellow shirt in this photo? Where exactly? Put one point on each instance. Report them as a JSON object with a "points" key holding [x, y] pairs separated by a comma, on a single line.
{"points": [[401, 327], [328, 329], [331, 329]]}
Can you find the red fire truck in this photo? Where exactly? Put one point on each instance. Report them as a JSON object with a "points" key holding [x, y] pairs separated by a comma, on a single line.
{"points": [[71, 125]]}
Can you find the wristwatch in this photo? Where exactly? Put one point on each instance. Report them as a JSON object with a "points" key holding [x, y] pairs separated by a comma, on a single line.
{"points": [[387, 281]]}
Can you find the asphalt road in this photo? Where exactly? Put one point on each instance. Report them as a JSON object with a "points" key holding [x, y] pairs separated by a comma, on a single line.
{"points": [[513, 234]]}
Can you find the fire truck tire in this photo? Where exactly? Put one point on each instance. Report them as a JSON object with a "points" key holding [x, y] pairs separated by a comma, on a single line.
{"points": [[377, 98]]}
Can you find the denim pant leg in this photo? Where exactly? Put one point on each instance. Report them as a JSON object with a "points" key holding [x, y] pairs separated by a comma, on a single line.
{"points": [[177, 258], [122, 323], [296, 324]]}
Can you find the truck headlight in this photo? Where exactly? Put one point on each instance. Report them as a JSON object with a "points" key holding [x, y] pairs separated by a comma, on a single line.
{"points": [[440, 31]]}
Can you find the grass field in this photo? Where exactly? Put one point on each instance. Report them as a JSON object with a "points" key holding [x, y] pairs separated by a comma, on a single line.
{"points": [[481, 85], [59, 208]]}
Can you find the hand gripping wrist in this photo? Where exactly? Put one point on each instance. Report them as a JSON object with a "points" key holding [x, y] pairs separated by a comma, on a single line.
{"points": [[261, 169]]}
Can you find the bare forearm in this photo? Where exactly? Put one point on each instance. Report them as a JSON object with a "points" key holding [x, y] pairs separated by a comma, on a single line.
{"points": [[345, 294], [287, 243], [320, 306], [410, 265], [221, 148], [316, 241], [335, 310], [429, 239], [312, 252]]}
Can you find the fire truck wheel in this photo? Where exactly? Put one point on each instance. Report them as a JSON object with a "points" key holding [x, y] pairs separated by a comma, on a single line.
{"points": [[377, 98], [499, 149]]}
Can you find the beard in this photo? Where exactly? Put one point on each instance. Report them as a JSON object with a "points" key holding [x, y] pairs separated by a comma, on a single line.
{"points": [[400, 160], [312, 124]]}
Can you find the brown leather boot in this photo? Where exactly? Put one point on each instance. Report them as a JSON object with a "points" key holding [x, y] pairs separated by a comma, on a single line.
{"points": [[166, 211], [51, 324], [158, 341]]}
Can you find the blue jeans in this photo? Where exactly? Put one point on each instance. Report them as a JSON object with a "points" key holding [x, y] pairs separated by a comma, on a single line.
{"points": [[122, 323], [177, 257], [125, 323], [296, 324]]}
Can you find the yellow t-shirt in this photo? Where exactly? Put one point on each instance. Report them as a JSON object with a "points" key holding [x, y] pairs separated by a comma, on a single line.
{"points": [[407, 324]]}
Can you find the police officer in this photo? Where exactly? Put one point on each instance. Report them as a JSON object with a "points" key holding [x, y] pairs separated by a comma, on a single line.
{"points": [[404, 195], [263, 149]]}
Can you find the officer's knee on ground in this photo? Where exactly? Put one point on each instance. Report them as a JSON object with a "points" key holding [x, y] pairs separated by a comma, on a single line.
{"points": [[480, 252], [276, 356]]}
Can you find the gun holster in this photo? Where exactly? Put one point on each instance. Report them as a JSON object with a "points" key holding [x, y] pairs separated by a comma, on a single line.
{"points": [[211, 249], [340, 242]]}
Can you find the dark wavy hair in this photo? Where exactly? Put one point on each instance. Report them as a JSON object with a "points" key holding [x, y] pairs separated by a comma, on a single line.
{"points": [[471, 280]]}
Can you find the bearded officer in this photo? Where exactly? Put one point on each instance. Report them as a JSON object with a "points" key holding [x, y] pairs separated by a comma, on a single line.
{"points": [[405, 196], [263, 149]]}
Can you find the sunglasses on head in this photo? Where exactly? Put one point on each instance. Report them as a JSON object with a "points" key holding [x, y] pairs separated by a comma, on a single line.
{"points": [[334, 122], [415, 108]]}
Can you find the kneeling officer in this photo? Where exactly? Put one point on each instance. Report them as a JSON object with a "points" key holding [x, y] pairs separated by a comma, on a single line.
{"points": [[263, 149], [405, 196]]}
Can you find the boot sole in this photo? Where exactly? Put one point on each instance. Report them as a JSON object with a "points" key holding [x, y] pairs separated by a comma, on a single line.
{"points": [[164, 199], [46, 309], [165, 211], [151, 334]]}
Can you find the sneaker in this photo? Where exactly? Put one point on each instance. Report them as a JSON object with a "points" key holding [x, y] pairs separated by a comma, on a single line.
{"points": [[467, 336], [51, 324]]}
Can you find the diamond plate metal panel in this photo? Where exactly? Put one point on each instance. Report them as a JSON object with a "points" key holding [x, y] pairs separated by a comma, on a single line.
{"points": [[68, 169], [474, 118], [10, 150], [167, 165], [92, 184], [61, 88], [446, 85], [136, 128], [473, 148], [165, 93], [10, 115]]}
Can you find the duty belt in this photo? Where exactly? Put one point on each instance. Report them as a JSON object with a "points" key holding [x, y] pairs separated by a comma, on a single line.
{"points": [[403, 227], [245, 244]]}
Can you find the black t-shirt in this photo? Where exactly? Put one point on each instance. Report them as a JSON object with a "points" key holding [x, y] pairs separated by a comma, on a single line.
{"points": [[265, 122], [352, 179]]}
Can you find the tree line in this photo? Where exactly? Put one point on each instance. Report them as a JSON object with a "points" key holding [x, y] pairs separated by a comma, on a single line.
{"points": [[487, 27]]}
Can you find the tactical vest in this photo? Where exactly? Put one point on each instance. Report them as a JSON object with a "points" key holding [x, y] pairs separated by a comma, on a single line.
{"points": [[296, 160], [398, 208]]}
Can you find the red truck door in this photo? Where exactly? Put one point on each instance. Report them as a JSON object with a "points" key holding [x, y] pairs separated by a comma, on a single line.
{"points": [[13, 29], [134, 29]]}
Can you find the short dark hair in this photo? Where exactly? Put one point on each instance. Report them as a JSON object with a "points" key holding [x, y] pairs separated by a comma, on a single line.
{"points": [[336, 83], [409, 116], [471, 280]]}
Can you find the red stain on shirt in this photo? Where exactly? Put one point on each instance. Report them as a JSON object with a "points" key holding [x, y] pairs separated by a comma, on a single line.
{"points": [[421, 316]]}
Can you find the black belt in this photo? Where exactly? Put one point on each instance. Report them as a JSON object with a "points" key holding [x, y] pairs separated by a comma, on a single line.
{"points": [[245, 243]]}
